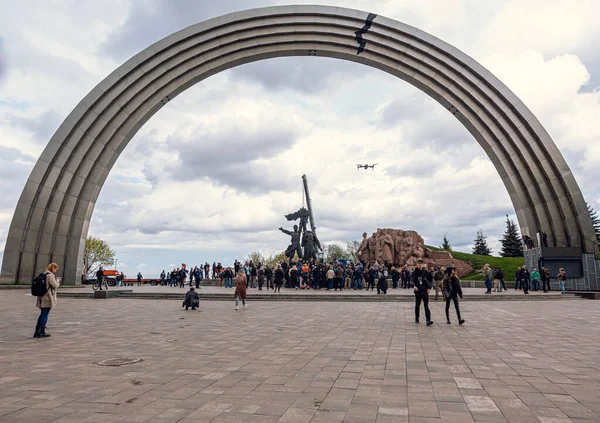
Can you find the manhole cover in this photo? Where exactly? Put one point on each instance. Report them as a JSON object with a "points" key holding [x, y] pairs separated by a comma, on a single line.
{"points": [[119, 361]]}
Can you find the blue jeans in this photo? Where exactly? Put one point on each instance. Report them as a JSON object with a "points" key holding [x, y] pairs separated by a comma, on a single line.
{"points": [[562, 286], [535, 285], [488, 284], [228, 283], [330, 283], [237, 301], [43, 319]]}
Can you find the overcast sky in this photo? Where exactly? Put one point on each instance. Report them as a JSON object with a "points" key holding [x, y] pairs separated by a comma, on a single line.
{"points": [[211, 175]]}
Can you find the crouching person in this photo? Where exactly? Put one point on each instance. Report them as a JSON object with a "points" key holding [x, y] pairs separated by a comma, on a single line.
{"points": [[191, 299], [382, 284]]}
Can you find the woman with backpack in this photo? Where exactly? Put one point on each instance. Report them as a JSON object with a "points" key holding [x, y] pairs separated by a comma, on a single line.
{"points": [[46, 297]]}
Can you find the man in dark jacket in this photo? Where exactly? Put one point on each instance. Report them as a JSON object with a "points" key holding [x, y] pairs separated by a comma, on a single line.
{"points": [[339, 278], [191, 299], [405, 276], [316, 277], [517, 278], [500, 276], [371, 275], [421, 281], [269, 277], [100, 276], [525, 278], [545, 276]]}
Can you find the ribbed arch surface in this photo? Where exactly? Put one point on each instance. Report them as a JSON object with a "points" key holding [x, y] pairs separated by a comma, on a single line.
{"points": [[53, 214]]}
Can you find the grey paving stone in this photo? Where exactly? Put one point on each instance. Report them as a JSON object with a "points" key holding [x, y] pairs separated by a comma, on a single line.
{"points": [[349, 362]]}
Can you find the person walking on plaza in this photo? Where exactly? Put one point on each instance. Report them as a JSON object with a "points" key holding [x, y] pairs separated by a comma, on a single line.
{"points": [[487, 273], [545, 276], [45, 286], [191, 299], [453, 290], [163, 277], [421, 281], [139, 279], [240, 289], [278, 278], [438, 277], [518, 279], [535, 280], [562, 278]]}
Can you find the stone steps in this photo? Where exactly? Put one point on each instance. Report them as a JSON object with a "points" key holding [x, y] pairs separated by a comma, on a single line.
{"points": [[314, 297]]}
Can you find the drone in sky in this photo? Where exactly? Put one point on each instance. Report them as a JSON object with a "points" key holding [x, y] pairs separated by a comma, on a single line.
{"points": [[366, 166]]}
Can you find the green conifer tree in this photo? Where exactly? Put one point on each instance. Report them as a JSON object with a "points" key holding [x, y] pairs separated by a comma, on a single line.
{"points": [[595, 222], [481, 248], [511, 241], [446, 244]]}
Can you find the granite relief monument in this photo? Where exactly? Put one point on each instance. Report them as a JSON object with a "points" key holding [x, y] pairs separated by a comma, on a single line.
{"points": [[405, 248]]}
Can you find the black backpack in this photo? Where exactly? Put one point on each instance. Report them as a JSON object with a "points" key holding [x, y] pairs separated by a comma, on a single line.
{"points": [[38, 286]]}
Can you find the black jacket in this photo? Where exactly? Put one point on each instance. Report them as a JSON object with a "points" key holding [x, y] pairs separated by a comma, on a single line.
{"points": [[405, 275], [278, 277], [524, 275], [452, 287], [382, 283], [191, 299], [422, 280]]}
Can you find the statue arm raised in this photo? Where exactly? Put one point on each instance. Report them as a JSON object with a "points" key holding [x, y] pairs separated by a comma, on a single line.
{"points": [[290, 233]]}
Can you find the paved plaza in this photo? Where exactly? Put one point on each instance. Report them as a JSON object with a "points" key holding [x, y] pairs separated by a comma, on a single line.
{"points": [[299, 362]]}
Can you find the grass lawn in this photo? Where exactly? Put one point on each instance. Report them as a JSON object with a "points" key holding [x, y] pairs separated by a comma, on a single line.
{"points": [[508, 264]]}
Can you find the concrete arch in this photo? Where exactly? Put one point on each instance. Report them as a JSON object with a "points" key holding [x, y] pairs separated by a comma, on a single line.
{"points": [[54, 211]]}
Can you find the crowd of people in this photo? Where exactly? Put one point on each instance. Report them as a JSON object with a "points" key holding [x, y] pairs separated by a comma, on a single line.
{"points": [[524, 280], [337, 275]]}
